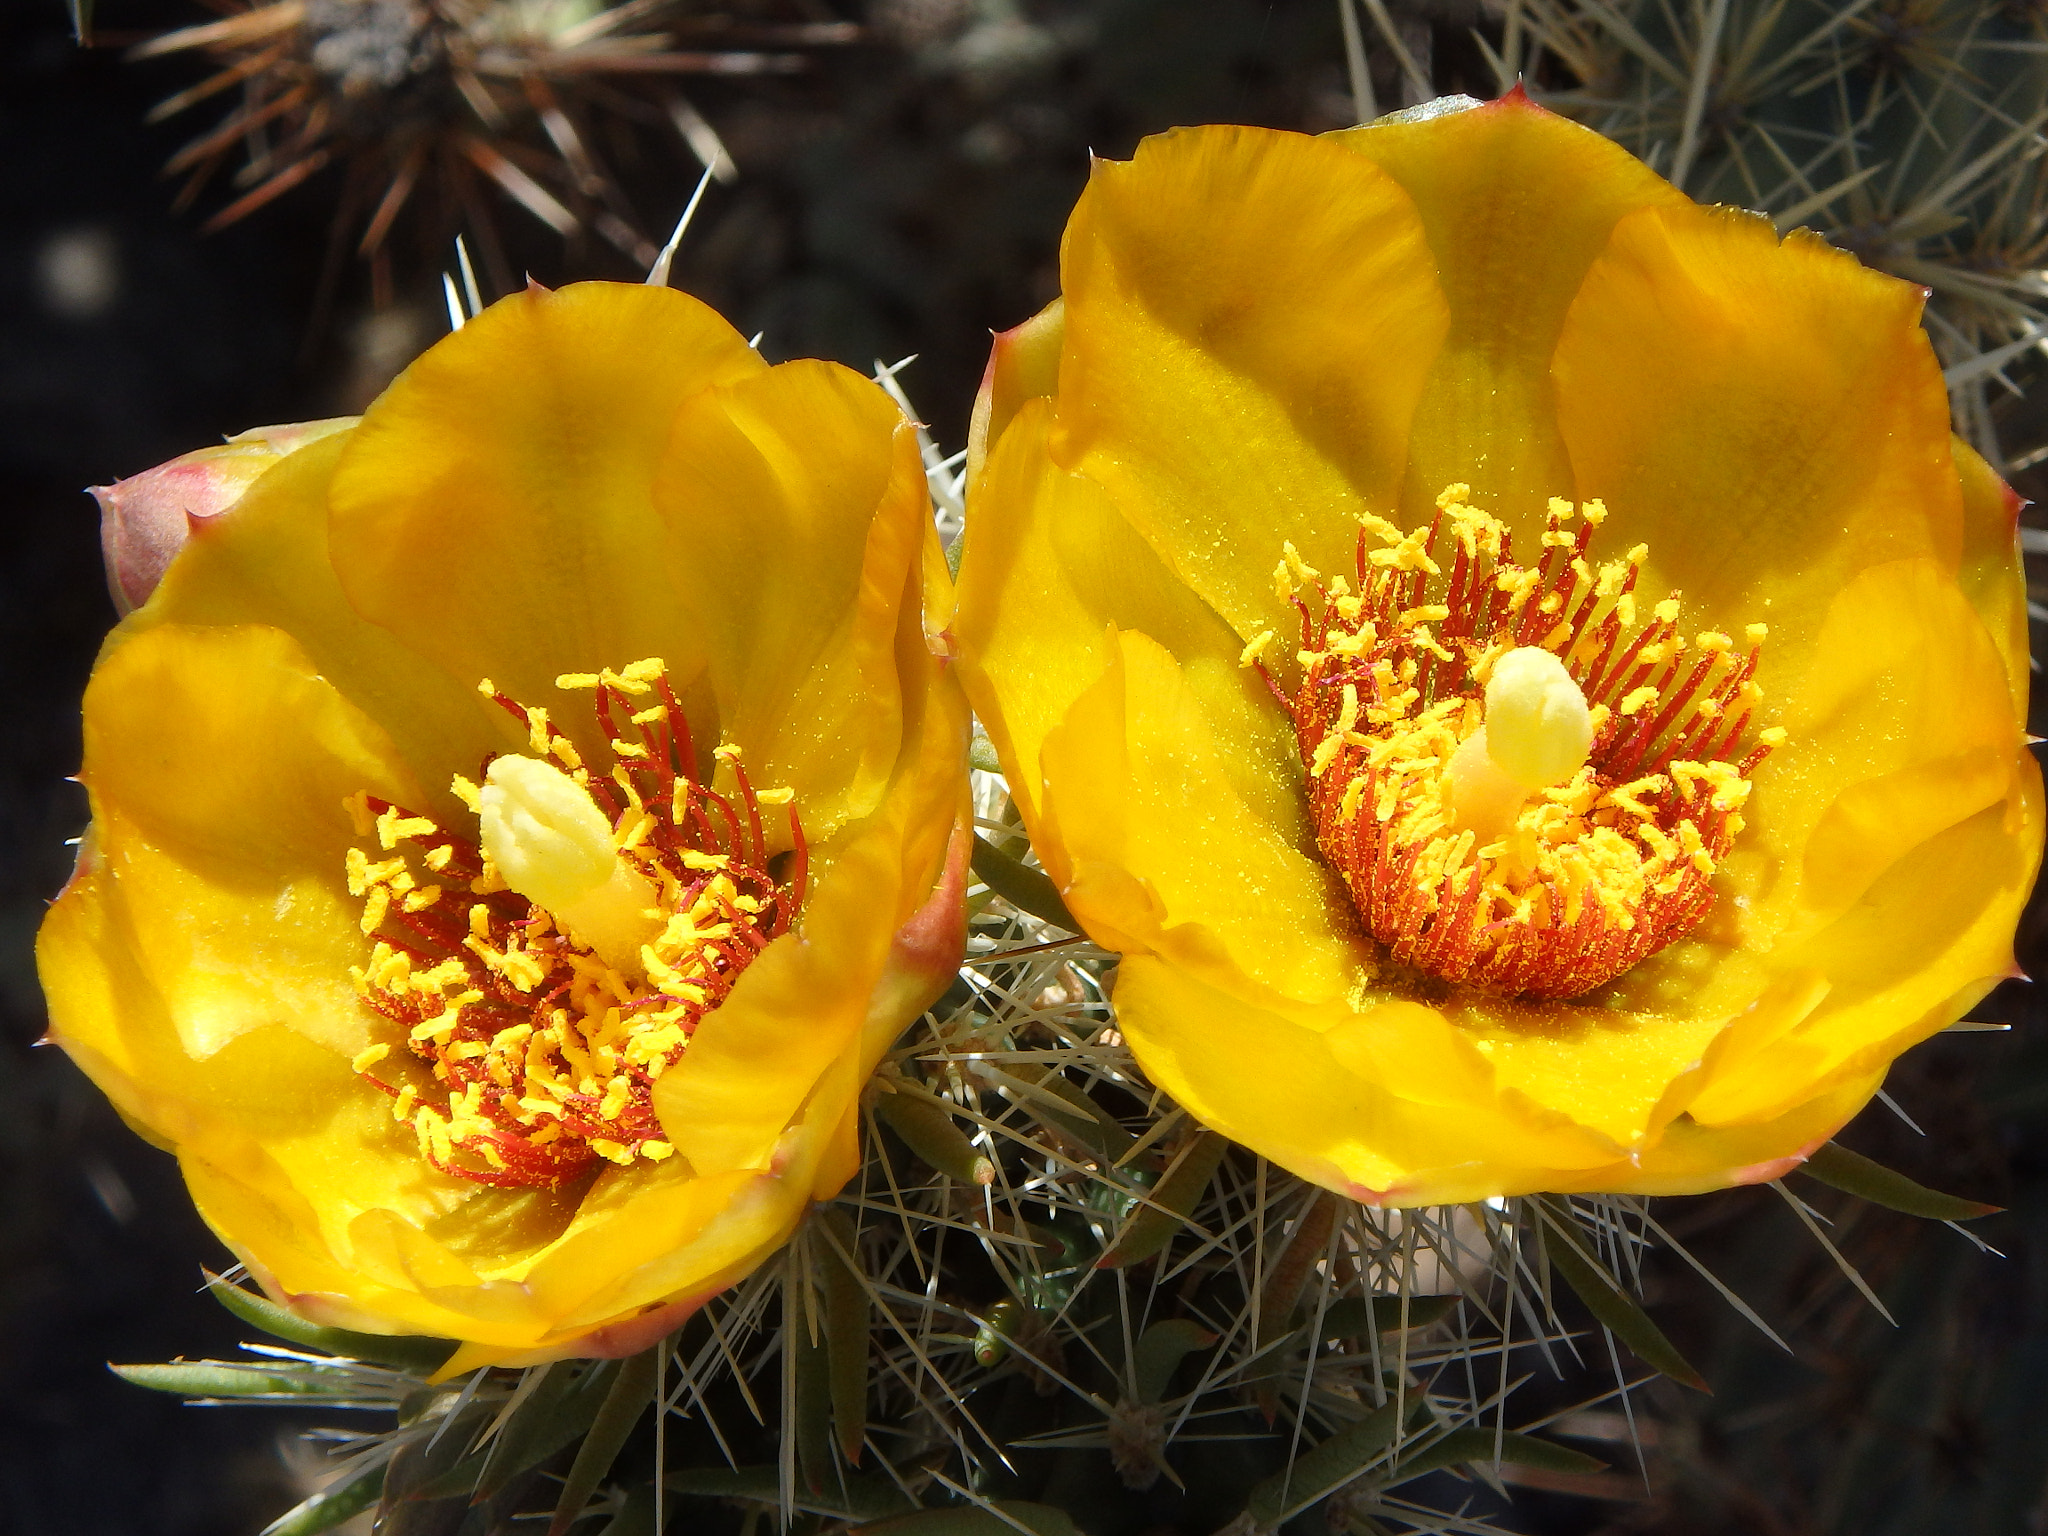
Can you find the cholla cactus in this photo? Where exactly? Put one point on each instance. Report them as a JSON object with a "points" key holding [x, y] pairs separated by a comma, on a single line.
{"points": [[450, 103], [1909, 132]]}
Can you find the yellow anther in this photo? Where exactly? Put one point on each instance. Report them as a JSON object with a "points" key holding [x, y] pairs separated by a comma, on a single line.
{"points": [[393, 827], [358, 807], [1298, 568], [1635, 702], [368, 1058], [1354, 796], [1255, 647]]}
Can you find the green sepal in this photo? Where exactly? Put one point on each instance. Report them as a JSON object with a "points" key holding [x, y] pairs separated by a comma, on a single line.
{"points": [[1058, 1105], [813, 1408], [420, 1356], [1025, 888], [630, 1395], [434, 1466], [929, 1130], [846, 1332], [1153, 1225], [1324, 1467], [329, 1507], [220, 1378], [1839, 1168], [853, 1498], [1353, 1317], [1160, 1350], [1607, 1301], [559, 1410], [1473, 1446], [635, 1516], [1041, 1519]]}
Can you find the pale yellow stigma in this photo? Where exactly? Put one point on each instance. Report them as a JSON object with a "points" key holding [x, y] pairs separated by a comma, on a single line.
{"points": [[1537, 733], [553, 846]]}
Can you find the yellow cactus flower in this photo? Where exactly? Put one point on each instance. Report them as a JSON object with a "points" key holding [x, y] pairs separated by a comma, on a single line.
{"points": [[1514, 661], [521, 823]]}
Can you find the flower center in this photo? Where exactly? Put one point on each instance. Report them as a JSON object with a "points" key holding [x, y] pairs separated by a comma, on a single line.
{"points": [[1526, 790], [549, 971]]}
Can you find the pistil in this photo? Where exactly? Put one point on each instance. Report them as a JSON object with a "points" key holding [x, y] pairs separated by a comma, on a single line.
{"points": [[1535, 735], [553, 846]]}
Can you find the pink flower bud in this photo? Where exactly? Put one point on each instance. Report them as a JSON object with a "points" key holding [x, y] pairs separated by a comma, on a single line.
{"points": [[146, 518]]}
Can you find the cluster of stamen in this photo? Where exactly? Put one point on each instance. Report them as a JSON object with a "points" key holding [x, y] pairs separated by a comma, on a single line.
{"points": [[532, 1040], [1562, 885]]}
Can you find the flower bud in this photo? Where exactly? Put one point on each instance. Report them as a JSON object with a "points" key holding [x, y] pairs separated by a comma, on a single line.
{"points": [[146, 518]]}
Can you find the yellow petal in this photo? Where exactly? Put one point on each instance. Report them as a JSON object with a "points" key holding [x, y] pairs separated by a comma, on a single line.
{"points": [[1691, 1158], [267, 564], [1767, 416], [1211, 375], [1319, 1103], [805, 1002], [1165, 857], [795, 603], [1023, 364], [1990, 573], [494, 510], [1516, 203], [227, 830], [1901, 726], [1049, 570], [1920, 946]]}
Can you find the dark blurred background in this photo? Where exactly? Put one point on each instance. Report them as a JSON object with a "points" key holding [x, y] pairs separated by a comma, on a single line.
{"points": [[901, 192]]}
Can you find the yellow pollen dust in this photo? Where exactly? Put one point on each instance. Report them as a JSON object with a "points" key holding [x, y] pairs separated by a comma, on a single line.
{"points": [[559, 962], [1526, 790]]}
